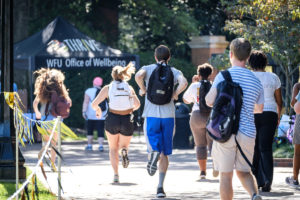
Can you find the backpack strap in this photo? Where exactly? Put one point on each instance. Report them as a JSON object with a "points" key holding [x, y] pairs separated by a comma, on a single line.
{"points": [[242, 153], [226, 75]]}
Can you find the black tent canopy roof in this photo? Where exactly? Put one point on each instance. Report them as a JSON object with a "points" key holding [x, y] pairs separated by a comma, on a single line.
{"points": [[61, 45]]}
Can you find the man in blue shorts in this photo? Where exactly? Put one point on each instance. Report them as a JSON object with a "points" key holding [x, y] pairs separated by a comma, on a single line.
{"points": [[159, 120]]}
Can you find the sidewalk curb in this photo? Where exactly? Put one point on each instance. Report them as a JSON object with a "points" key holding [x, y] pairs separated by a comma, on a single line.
{"points": [[283, 162]]}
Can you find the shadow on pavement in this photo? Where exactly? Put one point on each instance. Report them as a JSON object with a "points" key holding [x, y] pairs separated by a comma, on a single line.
{"points": [[124, 184], [276, 194], [208, 180]]}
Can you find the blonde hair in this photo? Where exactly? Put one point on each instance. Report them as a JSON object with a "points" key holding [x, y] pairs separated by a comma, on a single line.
{"points": [[48, 81], [120, 73]]}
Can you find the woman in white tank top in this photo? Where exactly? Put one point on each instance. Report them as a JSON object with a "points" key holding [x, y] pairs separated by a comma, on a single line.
{"points": [[122, 101]]}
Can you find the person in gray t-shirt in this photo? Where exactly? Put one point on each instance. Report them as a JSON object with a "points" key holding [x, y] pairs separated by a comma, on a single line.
{"points": [[159, 120]]}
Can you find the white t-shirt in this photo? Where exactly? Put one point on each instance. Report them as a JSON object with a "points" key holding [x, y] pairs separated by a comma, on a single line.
{"points": [[91, 113], [191, 95], [270, 82]]}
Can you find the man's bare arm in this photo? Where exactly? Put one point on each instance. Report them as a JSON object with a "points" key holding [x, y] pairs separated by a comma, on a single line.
{"points": [[139, 79]]}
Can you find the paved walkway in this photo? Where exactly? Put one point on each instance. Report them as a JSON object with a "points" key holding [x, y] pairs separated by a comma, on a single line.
{"points": [[88, 176]]}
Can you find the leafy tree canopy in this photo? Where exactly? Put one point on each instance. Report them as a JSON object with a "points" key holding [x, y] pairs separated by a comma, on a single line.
{"points": [[272, 26]]}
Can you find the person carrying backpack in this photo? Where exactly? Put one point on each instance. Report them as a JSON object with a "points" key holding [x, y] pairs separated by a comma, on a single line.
{"points": [[159, 110], [122, 101], [51, 93], [200, 112], [89, 114], [226, 154]]}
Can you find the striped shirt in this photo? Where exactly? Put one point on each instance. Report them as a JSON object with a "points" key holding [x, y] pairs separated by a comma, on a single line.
{"points": [[253, 94]]}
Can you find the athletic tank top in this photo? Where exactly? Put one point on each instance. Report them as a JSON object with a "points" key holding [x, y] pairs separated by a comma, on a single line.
{"points": [[119, 96]]}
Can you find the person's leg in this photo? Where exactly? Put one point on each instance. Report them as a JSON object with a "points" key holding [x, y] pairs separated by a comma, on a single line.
{"points": [[243, 170], [90, 128], [224, 155], [100, 130], [226, 190], [123, 149], [248, 182], [113, 141], [53, 143], [256, 157], [163, 167], [153, 136], [197, 124], [266, 153], [296, 162]]}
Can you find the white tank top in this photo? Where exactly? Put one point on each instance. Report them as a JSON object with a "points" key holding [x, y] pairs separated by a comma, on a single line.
{"points": [[119, 96]]}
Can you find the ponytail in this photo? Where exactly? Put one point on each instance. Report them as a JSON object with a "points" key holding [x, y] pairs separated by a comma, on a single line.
{"points": [[120, 73]]}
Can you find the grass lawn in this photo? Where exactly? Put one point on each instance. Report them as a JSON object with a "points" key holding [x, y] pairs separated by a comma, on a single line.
{"points": [[7, 189]]}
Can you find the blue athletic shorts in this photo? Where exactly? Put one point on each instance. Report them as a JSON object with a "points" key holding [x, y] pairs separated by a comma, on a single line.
{"points": [[159, 134]]}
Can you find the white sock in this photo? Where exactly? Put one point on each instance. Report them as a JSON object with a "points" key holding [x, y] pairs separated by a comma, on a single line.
{"points": [[90, 140], [100, 140], [162, 176]]}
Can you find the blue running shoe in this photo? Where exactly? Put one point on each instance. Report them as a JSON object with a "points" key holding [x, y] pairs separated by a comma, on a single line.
{"points": [[89, 148]]}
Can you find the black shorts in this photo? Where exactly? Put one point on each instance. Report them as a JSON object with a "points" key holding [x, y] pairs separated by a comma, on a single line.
{"points": [[122, 124], [97, 125]]}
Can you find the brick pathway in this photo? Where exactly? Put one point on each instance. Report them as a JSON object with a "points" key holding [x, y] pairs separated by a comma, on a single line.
{"points": [[89, 176]]}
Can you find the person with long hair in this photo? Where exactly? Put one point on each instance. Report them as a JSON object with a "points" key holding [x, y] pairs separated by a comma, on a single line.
{"points": [[119, 121], [48, 81], [265, 122], [200, 116]]}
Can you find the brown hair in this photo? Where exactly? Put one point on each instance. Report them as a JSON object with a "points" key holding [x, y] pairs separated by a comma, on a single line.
{"points": [[241, 48], [48, 81], [258, 60], [204, 70], [162, 53], [120, 73]]}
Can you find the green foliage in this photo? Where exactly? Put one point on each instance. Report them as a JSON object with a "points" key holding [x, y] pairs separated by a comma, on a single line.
{"points": [[220, 61], [283, 151], [272, 26], [154, 22], [7, 189], [76, 12]]}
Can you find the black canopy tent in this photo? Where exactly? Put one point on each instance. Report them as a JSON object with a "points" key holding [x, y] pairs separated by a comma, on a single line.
{"points": [[60, 45]]}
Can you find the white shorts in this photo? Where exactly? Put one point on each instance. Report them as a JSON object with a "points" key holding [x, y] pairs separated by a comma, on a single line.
{"points": [[227, 157]]}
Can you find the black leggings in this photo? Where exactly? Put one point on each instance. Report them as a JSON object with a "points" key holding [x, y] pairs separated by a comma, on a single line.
{"points": [[266, 124], [95, 125]]}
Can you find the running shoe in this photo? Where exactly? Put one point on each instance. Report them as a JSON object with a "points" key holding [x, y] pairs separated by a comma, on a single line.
{"points": [[101, 149], [290, 181], [256, 197], [89, 148], [116, 178], [152, 163], [125, 159], [202, 175], [160, 193]]}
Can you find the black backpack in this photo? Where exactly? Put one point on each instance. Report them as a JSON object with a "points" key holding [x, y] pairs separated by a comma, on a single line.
{"points": [[103, 103], [205, 86], [160, 85], [225, 116]]}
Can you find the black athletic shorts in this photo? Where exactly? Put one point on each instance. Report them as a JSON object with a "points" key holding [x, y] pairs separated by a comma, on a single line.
{"points": [[97, 125], [122, 124]]}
